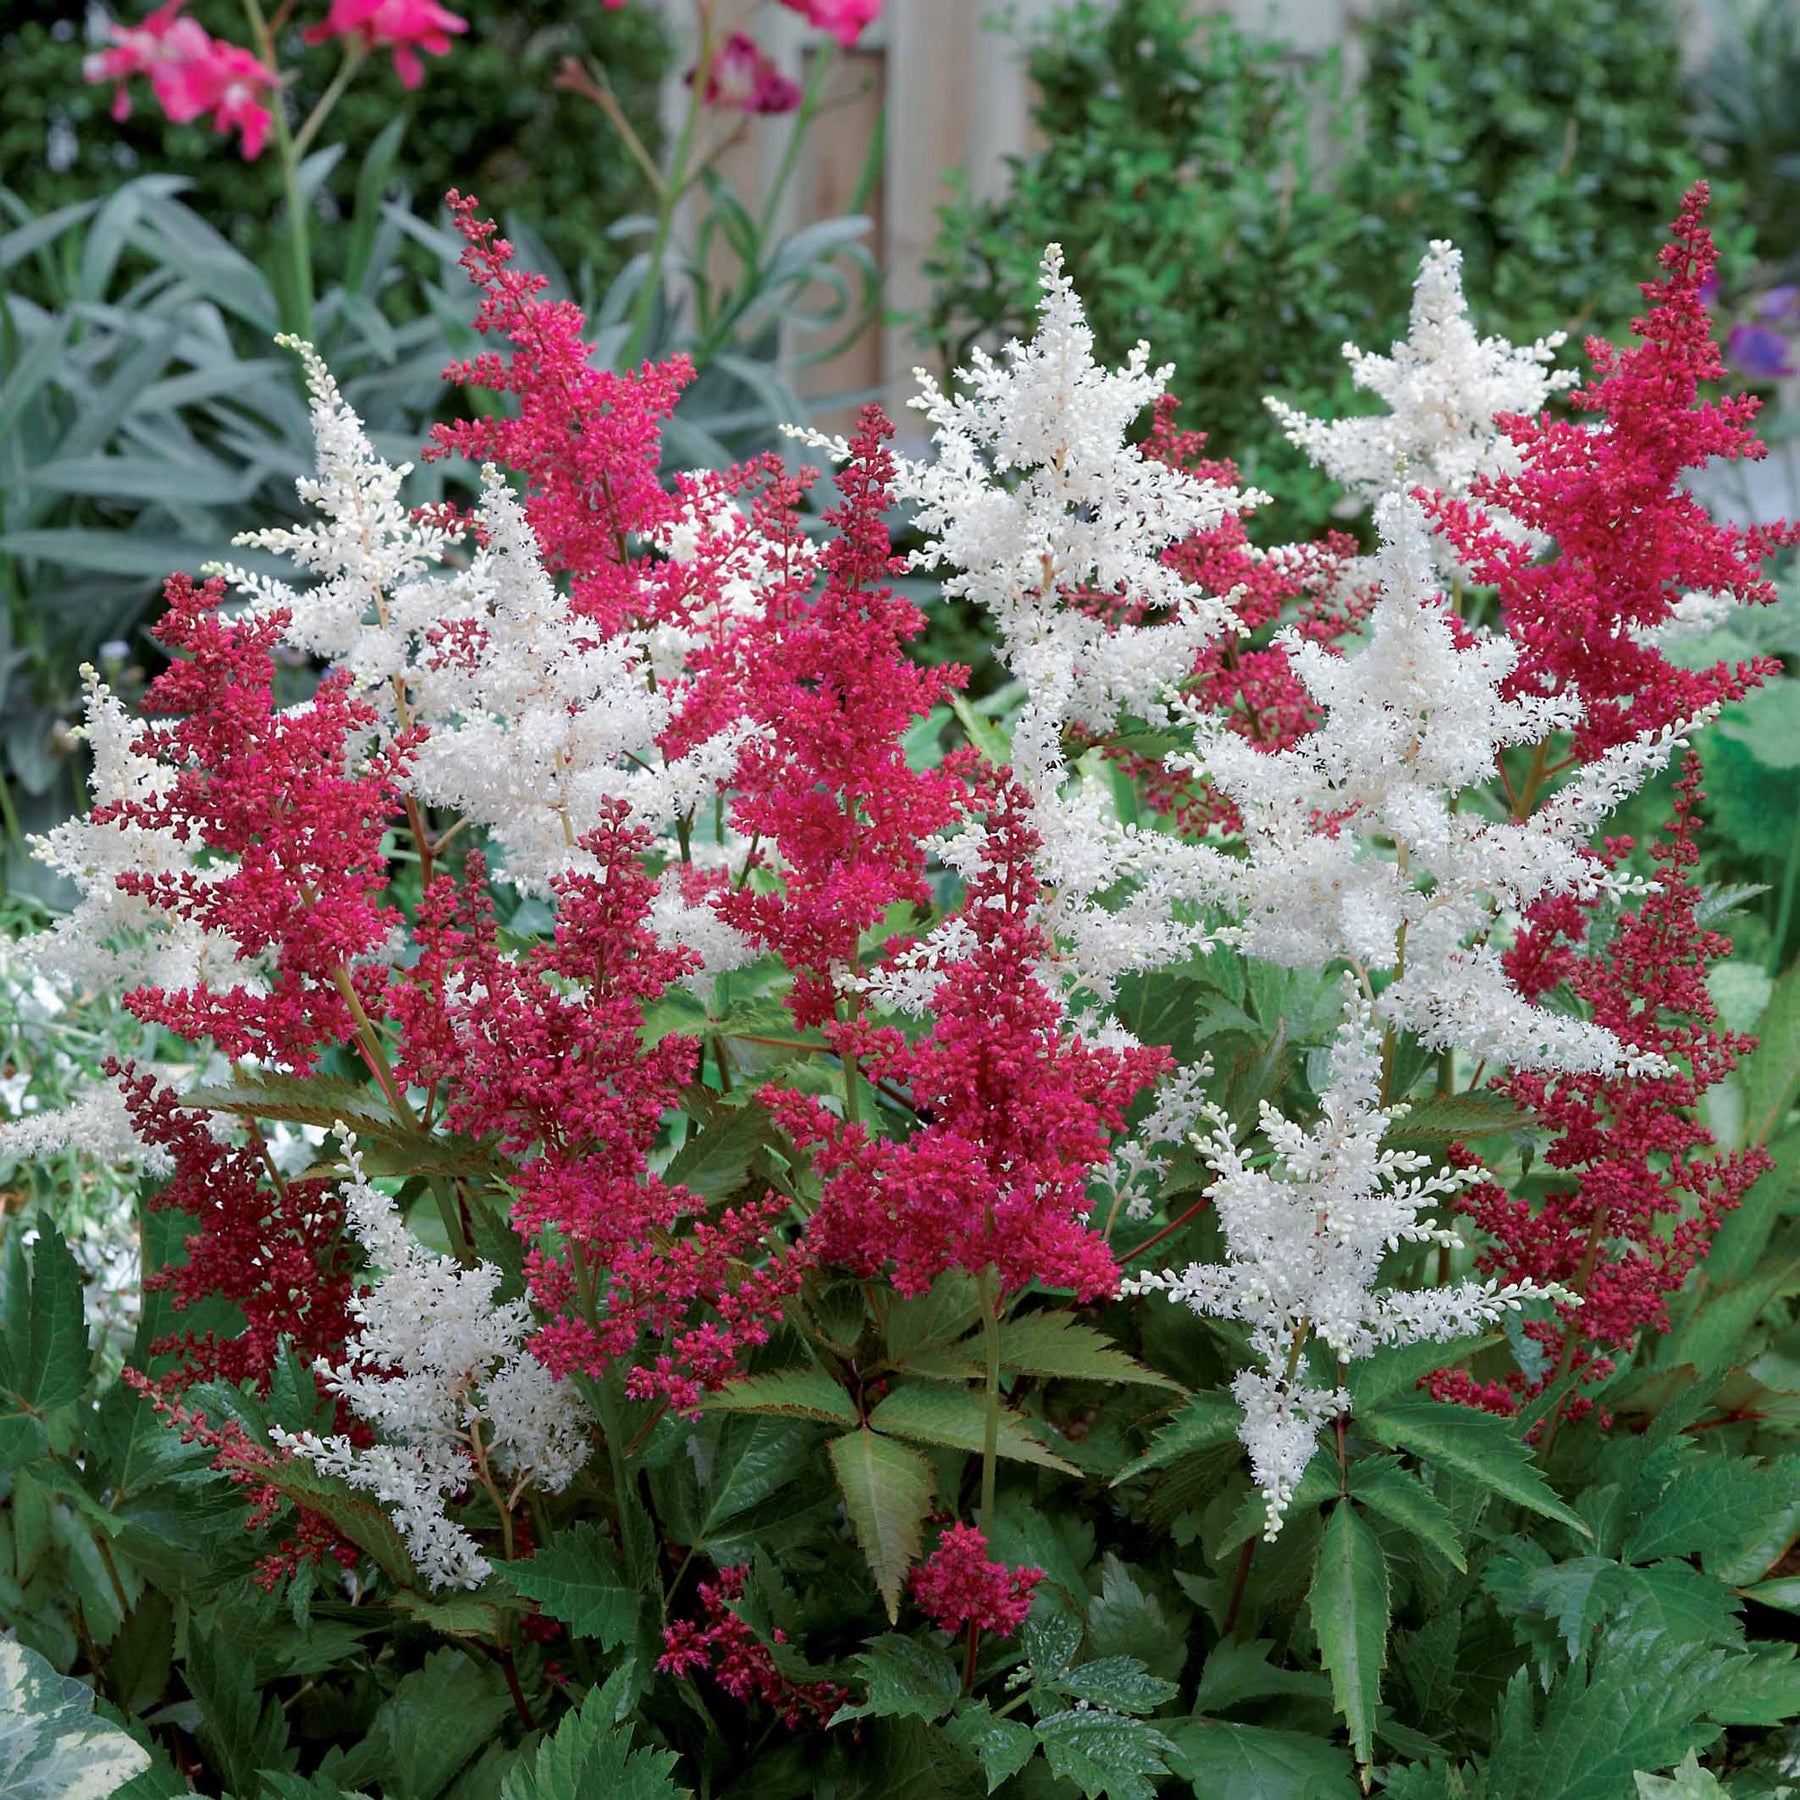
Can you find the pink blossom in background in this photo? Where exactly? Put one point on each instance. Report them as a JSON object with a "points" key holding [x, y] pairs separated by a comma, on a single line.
{"points": [[743, 79], [846, 20], [403, 26], [191, 74]]}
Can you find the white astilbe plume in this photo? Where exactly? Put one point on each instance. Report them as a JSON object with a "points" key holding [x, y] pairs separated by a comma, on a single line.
{"points": [[1408, 879], [441, 1373], [1304, 1239], [1035, 492], [1141, 1159], [1444, 387], [110, 939], [95, 1125]]}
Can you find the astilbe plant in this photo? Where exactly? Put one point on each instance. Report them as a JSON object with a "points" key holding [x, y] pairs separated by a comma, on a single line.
{"points": [[705, 1066]]}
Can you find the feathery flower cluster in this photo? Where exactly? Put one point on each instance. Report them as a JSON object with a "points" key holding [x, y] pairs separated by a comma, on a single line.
{"points": [[403, 26], [1304, 1239], [1591, 618], [957, 1586], [1649, 1190], [1015, 1110], [1447, 391], [438, 1368], [723, 1645]]}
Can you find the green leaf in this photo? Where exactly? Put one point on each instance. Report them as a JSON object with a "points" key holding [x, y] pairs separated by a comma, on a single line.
{"points": [[1121, 1683], [1713, 1509], [1401, 1498], [357, 1518], [923, 1331], [1206, 1422], [955, 1418], [242, 1730], [1472, 1444], [984, 734], [51, 1746], [1442, 1119], [279, 1785], [1689, 1782], [1349, 1606], [577, 1579], [887, 1492], [43, 1330], [791, 1393], [1246, 1762], [1104, 1754], [1396, 1369], [319, 1100], [907, 1679], [1057, 1344], [434, 1722], [589, 1757], [1002, 1746], [1770, 1077], [715, 1163]]}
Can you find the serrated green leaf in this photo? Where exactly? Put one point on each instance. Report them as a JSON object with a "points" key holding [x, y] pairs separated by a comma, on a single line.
{"points": [[242, 1730], [589, 1757], [1119, 1682], [1712, 1509], [1051, 1640], [907, 1679], [715, 1163], [923, 1331], [357, 1518], [1002, 1746], [1105, 1754], [1401, 1498], [577, 1579], [1473, 1444], [1057, 1344], [1348, 1602], [1206, 1422], [1444, 1118], [277, 1785], [1770, 1077], [1397, 1369], [1689, 1782], [438, 1718], [1247, 1762], [51, 1745], [790, 1393], [319, 1100], [887, 1490], [55, 1364], [955, 1418]]}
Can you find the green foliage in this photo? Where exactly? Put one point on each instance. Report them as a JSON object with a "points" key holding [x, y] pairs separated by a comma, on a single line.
{"points": [[577, 1580], [51, 1746]]}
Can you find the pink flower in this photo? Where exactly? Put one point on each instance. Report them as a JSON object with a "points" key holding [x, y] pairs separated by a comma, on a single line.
{"points": [[957, 1586], [399, 25], [844, 19], [743, 79], [190, 73]]}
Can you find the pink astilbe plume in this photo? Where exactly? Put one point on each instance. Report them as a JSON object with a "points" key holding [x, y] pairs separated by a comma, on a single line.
{"points": [[957, 1586], [1648, 1189], [1016, 1111], [586, 441], [1630, 542], [826, 785], [543, 1053], [1252, 689], [281, 795], [272, 1247]]}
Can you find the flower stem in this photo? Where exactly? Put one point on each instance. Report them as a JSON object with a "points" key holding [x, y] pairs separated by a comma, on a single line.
{"points": [[990, 1416]]}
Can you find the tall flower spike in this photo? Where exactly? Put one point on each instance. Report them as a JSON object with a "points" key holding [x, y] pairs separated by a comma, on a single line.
{"points": [[1409, 722], [1446, 391], [439, 1369], [1304, 1239]]}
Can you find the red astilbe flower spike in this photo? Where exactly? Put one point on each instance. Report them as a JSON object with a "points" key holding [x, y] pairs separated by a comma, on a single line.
{"points": [[587, 441], [1253, 690], [277, 1254], [956, 1586], [1649, 1188], [827, 783], [279, 794], [544, 1053], [1018, 1112], [720, 1643], [1630, 541]]}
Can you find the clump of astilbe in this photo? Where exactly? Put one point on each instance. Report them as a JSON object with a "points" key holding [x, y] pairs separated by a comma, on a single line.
{"points": [[1449, 394], [960, 1588], [438, 1368], [1649, 1188], [1016, 1106], [1304, 1239], [1636, 556], [825, 784], [543, 1052], [1036, 501]]}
